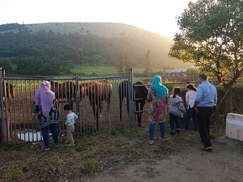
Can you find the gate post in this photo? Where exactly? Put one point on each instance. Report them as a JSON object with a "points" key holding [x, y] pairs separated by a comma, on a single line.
{"points": [[4, 122], [131, 98]]}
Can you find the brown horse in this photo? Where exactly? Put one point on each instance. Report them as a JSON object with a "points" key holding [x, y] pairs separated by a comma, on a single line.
{"points": [[9, 94], [64, 90], [97, 92]]}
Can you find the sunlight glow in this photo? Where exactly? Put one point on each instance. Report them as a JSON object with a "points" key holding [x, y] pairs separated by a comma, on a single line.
{"points": [[157, 16]]}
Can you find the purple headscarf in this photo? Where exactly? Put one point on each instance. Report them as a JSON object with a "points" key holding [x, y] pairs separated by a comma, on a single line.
{"points": [[44, 97]]}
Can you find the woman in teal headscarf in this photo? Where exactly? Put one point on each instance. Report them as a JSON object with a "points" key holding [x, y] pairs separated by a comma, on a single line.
{"points": [[157, 95]]}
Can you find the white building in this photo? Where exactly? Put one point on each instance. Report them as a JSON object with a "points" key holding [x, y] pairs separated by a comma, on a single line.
{"points": [[176, 72]]}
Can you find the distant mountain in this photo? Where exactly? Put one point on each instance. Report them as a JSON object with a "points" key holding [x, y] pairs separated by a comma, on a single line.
{"points": [[85, 43]]}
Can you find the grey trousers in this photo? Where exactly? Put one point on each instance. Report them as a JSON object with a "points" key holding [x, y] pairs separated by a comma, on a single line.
{"points": [[70, 130]]}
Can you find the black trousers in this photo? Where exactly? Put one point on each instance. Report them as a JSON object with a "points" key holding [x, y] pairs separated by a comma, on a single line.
{"points": [[204, 118]]}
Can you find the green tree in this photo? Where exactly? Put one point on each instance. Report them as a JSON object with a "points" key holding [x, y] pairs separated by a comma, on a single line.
{"points": [[29, 66], [211, 36], [55, 67], [5, 63], [67, 66], [120, 64], [127, 64], [148, 63]]}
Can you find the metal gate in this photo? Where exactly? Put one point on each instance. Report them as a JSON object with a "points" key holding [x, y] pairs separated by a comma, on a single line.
{"points": [[17, 94]]}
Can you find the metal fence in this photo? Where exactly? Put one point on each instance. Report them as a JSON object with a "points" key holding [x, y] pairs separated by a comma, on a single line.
{"points": [[17, 95], [92, 108]]}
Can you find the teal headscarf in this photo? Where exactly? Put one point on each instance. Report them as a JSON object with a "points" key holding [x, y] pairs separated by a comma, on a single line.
{"points": [[160, 89]]}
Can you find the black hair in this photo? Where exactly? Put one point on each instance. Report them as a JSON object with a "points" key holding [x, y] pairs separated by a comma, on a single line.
{"points": [[67, 107], [191, 86], [203, 76], [176, 91]]}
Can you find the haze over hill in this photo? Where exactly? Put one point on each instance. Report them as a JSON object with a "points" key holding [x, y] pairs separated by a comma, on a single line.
{"points": [[84, 43]]}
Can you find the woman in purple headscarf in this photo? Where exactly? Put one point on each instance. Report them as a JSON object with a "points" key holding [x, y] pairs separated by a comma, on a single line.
{"points": [[44, 105]]}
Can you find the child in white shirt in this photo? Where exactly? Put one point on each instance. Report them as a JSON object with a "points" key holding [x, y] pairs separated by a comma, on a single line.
{"points": [[71, 117], [190, 112]]}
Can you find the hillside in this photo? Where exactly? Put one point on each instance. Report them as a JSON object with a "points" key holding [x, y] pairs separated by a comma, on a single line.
{"points": [[82, 43]]}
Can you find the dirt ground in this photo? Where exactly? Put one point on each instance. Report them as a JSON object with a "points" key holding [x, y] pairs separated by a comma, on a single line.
{"points": [[188, 165]]}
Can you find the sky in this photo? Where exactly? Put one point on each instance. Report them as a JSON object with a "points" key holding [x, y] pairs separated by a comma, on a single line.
{"points": [[158, 16]]}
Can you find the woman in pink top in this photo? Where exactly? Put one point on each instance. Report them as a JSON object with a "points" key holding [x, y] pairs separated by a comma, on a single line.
{"points": [[190, 112], [44, 106], [157, 96]]}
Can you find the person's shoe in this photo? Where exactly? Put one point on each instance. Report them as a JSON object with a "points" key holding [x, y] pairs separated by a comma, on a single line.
{"points": [[164, 139], [172, 133], [45, 148], [178, 131], [207, 149], [151, 142]]}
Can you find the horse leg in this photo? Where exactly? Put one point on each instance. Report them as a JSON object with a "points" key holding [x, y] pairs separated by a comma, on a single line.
{"points": [[138, 113], [128, 108], [97, 117], [120, 104], [108, 101], [94, 113], [9, 104], [142, 103], [95, 108]]}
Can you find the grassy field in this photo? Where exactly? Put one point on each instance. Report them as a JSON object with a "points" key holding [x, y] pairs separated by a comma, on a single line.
{"points": [[93, 153], [83, 70], [89, 70]]}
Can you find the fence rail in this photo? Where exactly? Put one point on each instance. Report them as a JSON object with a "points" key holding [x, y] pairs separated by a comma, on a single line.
{"points": [[16, 119]]}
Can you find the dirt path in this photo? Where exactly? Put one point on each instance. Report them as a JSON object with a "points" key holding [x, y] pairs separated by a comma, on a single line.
{"points": [[188, 165]]}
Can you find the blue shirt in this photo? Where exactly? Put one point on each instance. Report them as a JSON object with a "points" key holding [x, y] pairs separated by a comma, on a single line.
{"points": [[71, 117], [206, 95]]}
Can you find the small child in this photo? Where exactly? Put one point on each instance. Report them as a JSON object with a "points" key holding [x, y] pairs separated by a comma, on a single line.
{"points": [[71, 117], [176, 110]]}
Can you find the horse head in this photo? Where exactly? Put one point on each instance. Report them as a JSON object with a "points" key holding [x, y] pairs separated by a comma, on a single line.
{"points": [[140, 91]]}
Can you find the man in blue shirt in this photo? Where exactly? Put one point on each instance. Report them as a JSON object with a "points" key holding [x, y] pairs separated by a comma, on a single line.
{"points": [[205, 102]]}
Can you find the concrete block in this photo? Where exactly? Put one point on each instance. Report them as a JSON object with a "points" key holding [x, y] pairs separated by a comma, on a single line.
{"points": [[234, 126]]}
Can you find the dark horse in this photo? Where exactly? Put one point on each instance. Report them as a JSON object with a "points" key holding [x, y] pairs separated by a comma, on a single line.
{"points": [[64, 90], [140, 93], [97, 92]]}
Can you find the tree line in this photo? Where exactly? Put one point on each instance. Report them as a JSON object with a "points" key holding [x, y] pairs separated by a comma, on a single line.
{"points": [[46, 52]]}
